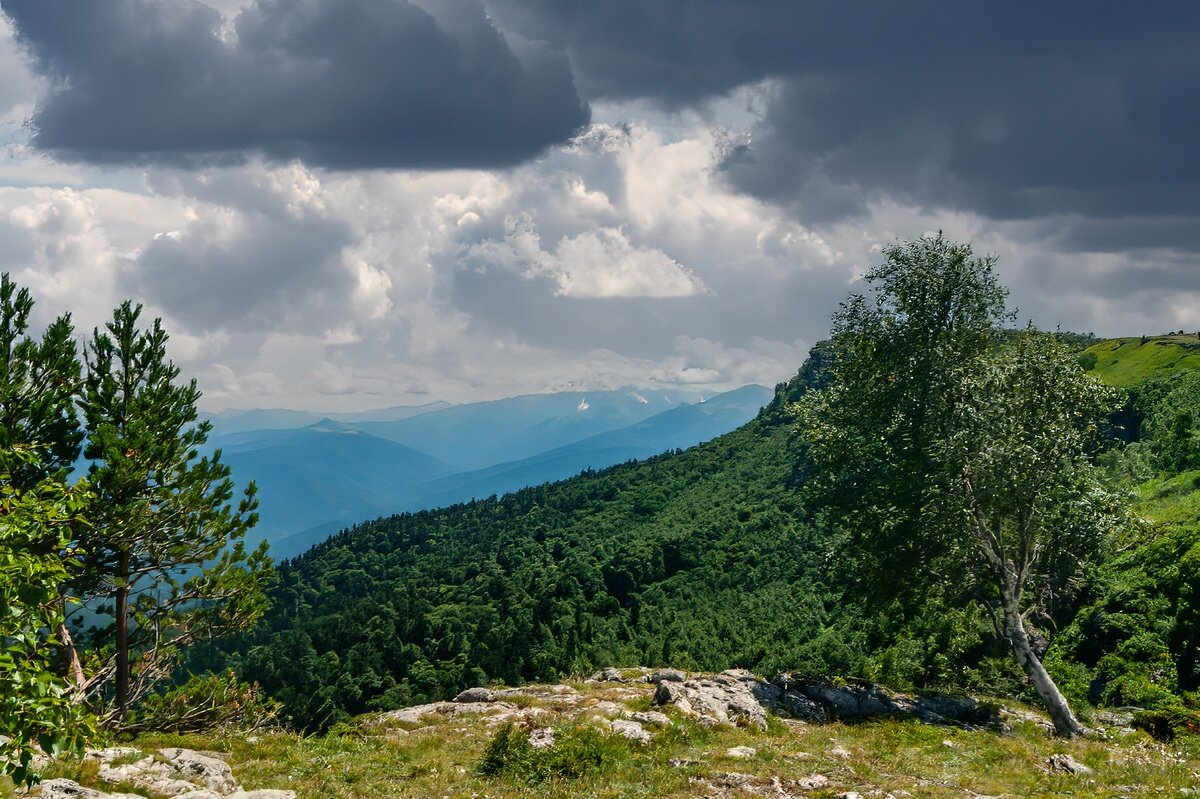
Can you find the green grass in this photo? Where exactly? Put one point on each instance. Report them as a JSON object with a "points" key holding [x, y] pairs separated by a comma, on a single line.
{"points": [[1171, 500], [372, 761], [1128, 361]]}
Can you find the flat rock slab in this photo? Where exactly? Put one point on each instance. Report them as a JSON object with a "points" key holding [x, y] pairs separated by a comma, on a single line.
{"points": [[174, 772], [738, 697], [627, 728], [69, 789], [213, 773], [148, 774], [651, 717]]}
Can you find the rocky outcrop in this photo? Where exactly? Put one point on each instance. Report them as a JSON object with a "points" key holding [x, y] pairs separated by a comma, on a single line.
{"points": [[738, 697], [726, 698], [524, 705], [856, 700], [172, 772], [69, 789]]}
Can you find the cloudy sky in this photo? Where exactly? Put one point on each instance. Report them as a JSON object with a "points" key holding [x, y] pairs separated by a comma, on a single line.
{"points": [[344, 204]]}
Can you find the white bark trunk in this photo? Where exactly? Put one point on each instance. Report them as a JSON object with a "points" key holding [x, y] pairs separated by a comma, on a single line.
{"points": [[1064, 720]]}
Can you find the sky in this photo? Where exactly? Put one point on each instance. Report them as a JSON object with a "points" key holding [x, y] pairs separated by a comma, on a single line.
{"points": [[348, 204]]}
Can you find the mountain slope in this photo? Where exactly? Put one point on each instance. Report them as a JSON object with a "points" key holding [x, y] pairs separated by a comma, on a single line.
{"points": [[1128, 361], [703, 559], [679, 428], [697, 558], [328, 474], [238, 421], [482, 434]]}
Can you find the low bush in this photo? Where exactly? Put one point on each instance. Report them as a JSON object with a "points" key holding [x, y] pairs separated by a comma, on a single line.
{"points": [[577, 751], [1168, 724], [205, 703]]}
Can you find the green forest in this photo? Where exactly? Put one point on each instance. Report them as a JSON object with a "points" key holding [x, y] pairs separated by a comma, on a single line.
{"points": [[939, 499]]}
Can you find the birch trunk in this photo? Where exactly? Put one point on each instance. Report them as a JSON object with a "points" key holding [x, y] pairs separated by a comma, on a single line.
{"points": [[1065, 723]]}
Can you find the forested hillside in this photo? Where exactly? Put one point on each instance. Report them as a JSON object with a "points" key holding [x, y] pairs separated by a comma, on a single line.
{"points": [[700, 559], [695, 559]]}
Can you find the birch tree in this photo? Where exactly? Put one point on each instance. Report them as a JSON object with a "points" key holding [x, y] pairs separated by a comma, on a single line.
{"points": [[947, 454]]}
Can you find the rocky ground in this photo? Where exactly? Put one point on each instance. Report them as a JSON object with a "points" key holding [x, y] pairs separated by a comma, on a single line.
{"points": [[643, 733], [168, 772]]}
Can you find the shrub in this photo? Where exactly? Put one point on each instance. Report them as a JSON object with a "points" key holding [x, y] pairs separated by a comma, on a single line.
{"points": [[204, 703], [577, 751], [1169, 724]]}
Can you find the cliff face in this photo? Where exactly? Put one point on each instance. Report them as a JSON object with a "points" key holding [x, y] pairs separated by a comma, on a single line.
{"points": [[637, 732]]}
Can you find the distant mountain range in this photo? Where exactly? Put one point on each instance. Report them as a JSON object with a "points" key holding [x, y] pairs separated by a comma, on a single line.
{"points": [[317, 474], [236, 421]]}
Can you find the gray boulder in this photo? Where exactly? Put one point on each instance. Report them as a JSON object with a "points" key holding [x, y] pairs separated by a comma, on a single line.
{"points": [[69, 789], [475, 695], [210, 772], [666, 675], [632, 730], [725, 699]]}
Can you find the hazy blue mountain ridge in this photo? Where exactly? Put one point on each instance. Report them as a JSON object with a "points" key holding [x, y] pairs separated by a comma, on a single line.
{"points": [[315, 480]]}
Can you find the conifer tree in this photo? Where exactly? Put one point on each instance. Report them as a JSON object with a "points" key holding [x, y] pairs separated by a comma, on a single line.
{"points": [[166, 548], [38, 383]]}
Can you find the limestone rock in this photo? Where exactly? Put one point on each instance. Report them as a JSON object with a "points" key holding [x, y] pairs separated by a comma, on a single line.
{"points": [[725, 699], [651, 717], [632, 730], [741, 752], [1068, 765], [212, 773], [542, 738], [475, 695], [667, 675], [69, 789], [813, 782], [738, 697], [149, 774], [606, 675]]}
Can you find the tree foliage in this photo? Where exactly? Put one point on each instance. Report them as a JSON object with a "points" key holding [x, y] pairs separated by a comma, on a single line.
{"points": [[39, 516], [952, 458], [161, 554], [36, 529], [39, 380]]}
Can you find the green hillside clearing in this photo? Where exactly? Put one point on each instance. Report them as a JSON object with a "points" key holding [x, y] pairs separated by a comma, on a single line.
{"points": [[1128, 361]]}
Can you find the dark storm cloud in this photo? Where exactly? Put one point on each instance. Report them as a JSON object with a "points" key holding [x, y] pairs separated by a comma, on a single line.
{"points": [[338, 83], [1013, 110]]}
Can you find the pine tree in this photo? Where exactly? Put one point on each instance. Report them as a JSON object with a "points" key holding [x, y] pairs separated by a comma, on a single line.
{"points": [[38, 383], [166, 549]]}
